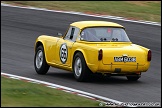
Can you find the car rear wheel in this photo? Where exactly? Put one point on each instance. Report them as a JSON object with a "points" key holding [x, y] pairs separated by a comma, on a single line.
{"points": [[80, 69], [40, 63], [133, 78]]}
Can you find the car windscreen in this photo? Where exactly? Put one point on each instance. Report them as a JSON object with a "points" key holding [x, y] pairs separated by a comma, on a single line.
{"points": [[109, 34]]}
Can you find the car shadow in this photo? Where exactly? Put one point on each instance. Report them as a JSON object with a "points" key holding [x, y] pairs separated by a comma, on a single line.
{"points": [[93, 78], [62, 75]]}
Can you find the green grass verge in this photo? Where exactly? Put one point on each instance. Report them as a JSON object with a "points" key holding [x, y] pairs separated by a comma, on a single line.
{"points": [[15, 93], [137, 10]]}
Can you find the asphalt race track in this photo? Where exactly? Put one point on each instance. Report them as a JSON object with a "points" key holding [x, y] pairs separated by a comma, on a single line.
{"points": [[21, 27]]}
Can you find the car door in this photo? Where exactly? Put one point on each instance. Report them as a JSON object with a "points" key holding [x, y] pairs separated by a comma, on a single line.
{"points": [[64, 47]]}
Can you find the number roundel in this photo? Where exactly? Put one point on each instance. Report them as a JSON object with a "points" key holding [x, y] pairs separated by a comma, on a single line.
{"points": [[63, 53]]}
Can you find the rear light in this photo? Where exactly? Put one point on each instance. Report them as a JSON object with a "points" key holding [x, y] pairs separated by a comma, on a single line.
{"points": [[100, 54], [149, 56]]}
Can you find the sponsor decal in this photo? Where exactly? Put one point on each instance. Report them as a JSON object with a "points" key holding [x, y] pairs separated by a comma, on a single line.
{"points": [[124, 59], [63, 53]]}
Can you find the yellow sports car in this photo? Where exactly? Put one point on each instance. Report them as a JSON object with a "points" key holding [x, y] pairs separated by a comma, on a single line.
{"points": [[92, 47]]}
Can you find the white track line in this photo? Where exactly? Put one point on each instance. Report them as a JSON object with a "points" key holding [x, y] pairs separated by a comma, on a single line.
{"points": [[80, 13], [65, 89]]}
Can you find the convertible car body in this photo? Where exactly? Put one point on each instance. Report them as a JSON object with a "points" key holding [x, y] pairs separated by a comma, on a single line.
{"points": [[92, 47]]}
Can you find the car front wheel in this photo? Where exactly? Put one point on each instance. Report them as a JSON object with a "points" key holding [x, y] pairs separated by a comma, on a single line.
{"points": [[40, 63]]}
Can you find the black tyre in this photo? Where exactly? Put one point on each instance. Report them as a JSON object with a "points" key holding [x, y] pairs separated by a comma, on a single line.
{"points": [[80, 69], [133, 78], [40, 63]]}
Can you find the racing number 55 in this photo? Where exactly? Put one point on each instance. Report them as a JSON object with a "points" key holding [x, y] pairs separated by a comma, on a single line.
{"points": [[63, 53]]}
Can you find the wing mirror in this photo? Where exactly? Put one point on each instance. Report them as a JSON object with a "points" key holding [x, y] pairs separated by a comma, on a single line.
{"points": [[59, 34]]}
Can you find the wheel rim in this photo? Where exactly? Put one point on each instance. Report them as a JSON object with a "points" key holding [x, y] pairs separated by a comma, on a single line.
{"points": [[39, 59], [78, 66]]}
